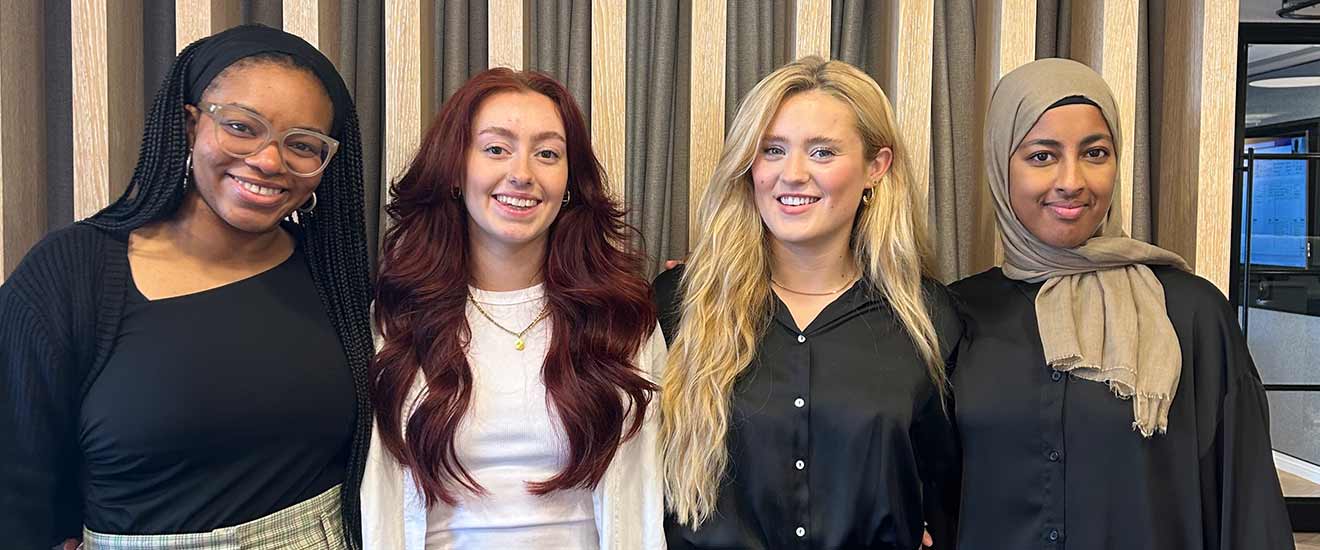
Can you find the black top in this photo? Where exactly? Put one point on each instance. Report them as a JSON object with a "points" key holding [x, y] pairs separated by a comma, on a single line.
{"points": [[1051, 461], [217, 408], [60, 314], [834, 430]]}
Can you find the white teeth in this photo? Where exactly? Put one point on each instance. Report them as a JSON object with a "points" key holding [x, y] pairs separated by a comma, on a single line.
{"points": [[514, 201], [266, 191], [796, 200]]}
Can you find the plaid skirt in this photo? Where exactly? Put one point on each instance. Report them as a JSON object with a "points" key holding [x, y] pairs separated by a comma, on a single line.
{"points": [[313, 524]]}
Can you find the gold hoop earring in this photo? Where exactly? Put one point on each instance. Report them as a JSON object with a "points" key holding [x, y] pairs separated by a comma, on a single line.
{"points": [[867, 195]]}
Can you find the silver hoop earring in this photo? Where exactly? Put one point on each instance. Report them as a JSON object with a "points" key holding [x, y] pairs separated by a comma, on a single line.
{"points": [[567, 195], [187, 171], [867, 195], [306, 210], [455, 192]]}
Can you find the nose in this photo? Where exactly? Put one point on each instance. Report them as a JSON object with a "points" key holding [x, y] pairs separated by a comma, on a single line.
{"points": [[520, 170], [1070, 180], [795, 169], [267, 160]]}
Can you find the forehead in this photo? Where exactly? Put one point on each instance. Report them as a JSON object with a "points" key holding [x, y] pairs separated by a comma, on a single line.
{"points": [[287, 96], [1069, 121], [814, 114], [525, 111]]}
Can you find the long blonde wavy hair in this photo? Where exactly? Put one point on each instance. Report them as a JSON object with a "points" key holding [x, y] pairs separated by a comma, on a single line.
{"points": [[726, 285]]}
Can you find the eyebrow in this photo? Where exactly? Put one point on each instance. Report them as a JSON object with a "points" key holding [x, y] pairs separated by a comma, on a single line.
{"points": [[817, 140], [1046, 142], [316, 129], [508, 134]]}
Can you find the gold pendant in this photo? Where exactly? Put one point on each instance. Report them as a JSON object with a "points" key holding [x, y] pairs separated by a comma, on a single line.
{"points": [[518, 344]]}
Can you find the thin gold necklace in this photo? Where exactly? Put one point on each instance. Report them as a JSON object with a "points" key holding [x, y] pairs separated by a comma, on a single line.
{"points": [[518, 343], [830, 293]]}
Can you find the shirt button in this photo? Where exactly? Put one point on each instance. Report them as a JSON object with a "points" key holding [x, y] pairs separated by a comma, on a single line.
{"points": [[1055, 456], [1056, 376], [801, 338], [801, 532], [799, 464], [1054, 535], [799, 402]]}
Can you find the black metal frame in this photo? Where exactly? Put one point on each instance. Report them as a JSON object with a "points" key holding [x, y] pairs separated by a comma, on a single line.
{"points": [[1304, 511]]}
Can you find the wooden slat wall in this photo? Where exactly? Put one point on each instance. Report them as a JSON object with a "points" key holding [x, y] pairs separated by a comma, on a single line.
{"points": [[1104, 36], [907, 81], [409, 85], [706, 130], [194, 19], [1196, 147], [609, 85], [22, 131], [108, 99], [506, 21], [1196, 172], [317, 22], [1005, 40], [811, 28]]}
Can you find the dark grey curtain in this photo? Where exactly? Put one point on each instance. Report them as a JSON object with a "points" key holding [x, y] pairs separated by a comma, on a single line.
{"points": [[362, 64], [658, 79], [267, 12], [59, 114], [559, 44], [460, 44], [759, 38], [953, 127], [1053, 28], [858, 35]]}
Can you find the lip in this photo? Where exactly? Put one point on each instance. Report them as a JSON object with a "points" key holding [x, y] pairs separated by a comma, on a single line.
{"points": [[255, 199], [795, 209], [1067, 210], [514, 212]]}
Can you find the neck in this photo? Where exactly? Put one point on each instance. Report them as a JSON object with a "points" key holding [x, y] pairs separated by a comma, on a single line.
{"points": [[196, 231], [500, 267], [812, 267]]}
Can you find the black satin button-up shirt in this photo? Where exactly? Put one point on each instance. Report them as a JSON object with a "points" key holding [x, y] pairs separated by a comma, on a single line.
{"points": [[838, 436], [1051, 461]]}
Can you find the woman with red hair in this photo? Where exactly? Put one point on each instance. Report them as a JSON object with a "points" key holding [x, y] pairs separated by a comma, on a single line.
{"points": [[517, 339]]}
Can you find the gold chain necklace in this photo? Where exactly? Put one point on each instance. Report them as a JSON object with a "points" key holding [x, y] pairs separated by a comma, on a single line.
{"points": [[518, 342], [830, 293]]}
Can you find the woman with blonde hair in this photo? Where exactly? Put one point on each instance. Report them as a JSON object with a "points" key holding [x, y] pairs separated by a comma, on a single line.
{"points": [[803, 400]]}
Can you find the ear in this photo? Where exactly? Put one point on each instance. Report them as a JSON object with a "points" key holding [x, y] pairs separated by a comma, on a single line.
{"points": [[879, 166], [194, 114]]}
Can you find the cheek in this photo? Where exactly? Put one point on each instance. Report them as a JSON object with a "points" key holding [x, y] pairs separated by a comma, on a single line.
{"points": [[839, 180]]}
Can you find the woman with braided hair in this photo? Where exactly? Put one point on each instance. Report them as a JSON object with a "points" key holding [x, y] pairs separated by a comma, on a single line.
{"points": [[187, 367]]}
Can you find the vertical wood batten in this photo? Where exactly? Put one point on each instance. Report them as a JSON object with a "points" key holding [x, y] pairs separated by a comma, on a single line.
{"points": [[706, 122], [1104, 36], [108, 100], [506, 23], [317, 22], [811, 28], [1005, 40], [1196, 146], [609, 85], [409, 86], [906, 79], [22, 131], [194, 19]]}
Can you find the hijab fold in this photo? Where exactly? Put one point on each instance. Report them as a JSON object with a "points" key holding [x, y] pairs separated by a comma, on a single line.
{"points": [[1101, 310]]}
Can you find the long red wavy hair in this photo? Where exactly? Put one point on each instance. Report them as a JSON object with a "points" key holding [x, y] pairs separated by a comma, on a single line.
{"points": [[599, 305]]}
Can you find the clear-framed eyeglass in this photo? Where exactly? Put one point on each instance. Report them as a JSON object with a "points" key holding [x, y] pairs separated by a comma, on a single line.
{"points": [[243, 133]]}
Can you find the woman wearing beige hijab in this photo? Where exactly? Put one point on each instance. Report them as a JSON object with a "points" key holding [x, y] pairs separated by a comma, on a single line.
{"points": [[1105, 396]]}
